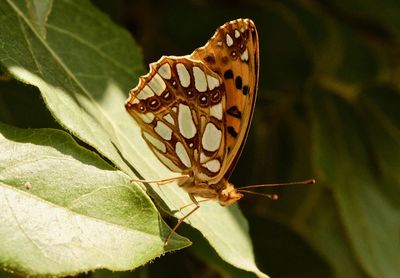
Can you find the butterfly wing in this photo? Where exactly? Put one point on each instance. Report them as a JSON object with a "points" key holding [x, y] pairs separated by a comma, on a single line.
{"points": [[179, 105], [233, 53], [194, 111]]}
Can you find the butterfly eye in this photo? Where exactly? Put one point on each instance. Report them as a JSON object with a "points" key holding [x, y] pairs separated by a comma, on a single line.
{"points": [[153, 103]]}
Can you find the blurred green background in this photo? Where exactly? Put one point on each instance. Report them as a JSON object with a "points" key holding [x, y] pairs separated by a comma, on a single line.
{"points": [[328, 107]]}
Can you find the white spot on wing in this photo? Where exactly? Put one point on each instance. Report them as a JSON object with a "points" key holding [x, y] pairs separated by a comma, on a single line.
{"points": [[185, 122], [165, 71], [182, 154], [155, 142], [163, 130], [169, 118], [211, 139], [202, 176], [237, 34], [199, 79], [204, 158], [167, 162], [229, 40], [245, 55], [157, 84], [216, 111], [174, 109], [183, 75], [213, 165], [147, 118], [146, 92], [212, 82]]}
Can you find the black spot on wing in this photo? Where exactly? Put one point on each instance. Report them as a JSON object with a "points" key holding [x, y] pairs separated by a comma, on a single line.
{"points": [[210, 59], [232, 131], [245, 90], [238, 82], [228, 74], [234, 112]]}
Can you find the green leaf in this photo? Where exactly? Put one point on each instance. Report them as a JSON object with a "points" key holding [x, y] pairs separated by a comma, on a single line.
{"points": [[38, 11], [343, 159], [64, 210], [84, 68], [204, 251]]}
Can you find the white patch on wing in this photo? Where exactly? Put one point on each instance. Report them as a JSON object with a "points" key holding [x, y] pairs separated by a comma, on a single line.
{"points": [[183, 74], [202, 176], [163, 130], [204, 158], [212, 82], [169, 118], [216, 111], [174, 109], [199, 79], [165, 71], [147, 118], [155, 142], [237, 34], [245, 55], [211, 139], [168, 162], [213, 165], [185, 122], [145, 93], [182, 154], [229, 40], [157, 84]]}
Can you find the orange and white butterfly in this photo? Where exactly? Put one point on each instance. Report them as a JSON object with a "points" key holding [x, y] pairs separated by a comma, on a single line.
{"points": [[195, 110]]}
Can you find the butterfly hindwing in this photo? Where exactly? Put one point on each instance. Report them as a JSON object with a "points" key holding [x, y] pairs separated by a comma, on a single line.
{"points": [[180, 105]]}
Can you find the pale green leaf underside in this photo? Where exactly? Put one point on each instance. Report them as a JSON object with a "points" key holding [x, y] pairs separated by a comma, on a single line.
{"points": [[84, 68]]}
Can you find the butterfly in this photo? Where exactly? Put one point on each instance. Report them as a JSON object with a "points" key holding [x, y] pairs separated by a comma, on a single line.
{"points": [[195, 111]]}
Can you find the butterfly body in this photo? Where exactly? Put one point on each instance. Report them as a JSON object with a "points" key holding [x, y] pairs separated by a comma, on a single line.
{"points": [[195, 111]]}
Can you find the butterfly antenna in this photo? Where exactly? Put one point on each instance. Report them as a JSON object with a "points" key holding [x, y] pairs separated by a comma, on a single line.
{"points": [[270, 196], [309, 181]]}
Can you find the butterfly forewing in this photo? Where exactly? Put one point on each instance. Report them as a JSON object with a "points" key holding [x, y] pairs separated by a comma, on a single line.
{"points": [[195, 110], [233, 53]]}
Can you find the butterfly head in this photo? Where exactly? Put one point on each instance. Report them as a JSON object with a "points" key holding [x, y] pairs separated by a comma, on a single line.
{"points": [[229, 195]]}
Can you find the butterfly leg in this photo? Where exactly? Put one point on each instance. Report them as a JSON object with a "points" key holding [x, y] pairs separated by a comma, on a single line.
{"points": [[162, 180], [197, 205], [191, 204]]}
